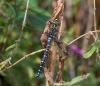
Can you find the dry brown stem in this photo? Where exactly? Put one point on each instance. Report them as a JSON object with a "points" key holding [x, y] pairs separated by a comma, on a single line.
{"points": [[57, 14]]}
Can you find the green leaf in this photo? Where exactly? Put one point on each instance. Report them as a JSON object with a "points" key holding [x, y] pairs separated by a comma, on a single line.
{"points": [[79, 78], [10, 47], [11, 10], [90, 53], [92, 49], [95, 47], [98, 47], [74, 80]]}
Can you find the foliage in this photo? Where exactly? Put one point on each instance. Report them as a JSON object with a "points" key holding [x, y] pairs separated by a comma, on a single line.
{"points": [[16, 43]]}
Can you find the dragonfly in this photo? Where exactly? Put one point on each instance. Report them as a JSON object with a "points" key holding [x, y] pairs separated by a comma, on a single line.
{"points": [[50, 38]]}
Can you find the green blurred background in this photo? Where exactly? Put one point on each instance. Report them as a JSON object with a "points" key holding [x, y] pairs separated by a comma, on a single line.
{"points": [[40, 11]]}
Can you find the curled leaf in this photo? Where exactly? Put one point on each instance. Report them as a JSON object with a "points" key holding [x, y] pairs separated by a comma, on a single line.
{"points": [[90, 52]]}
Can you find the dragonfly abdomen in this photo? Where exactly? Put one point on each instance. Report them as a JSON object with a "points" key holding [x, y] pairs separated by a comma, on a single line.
{"points": [[51, 37]]}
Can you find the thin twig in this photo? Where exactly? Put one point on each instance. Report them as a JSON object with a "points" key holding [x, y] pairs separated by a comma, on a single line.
{"points": [[24, 21], [93, 35], [96, 31], [23, 58], [95, 20]]}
